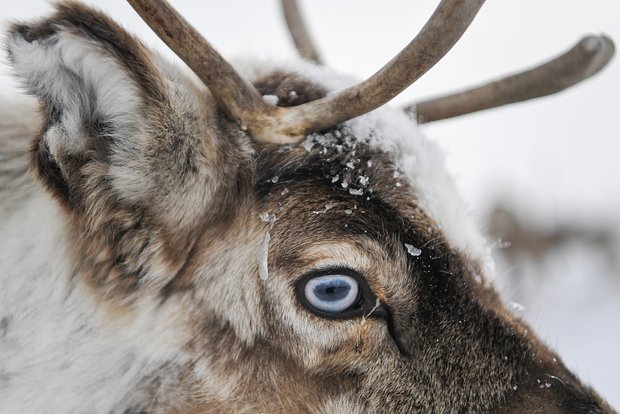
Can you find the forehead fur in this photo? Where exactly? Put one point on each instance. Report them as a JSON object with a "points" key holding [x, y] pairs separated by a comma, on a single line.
{"points": [[416, 159]]}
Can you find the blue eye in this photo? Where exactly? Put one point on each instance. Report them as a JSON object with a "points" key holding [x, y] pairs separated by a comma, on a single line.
{"points": [[331, 293]]}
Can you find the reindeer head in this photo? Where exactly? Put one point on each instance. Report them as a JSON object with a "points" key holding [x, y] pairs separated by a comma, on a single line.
{"points": [[295, 257]]}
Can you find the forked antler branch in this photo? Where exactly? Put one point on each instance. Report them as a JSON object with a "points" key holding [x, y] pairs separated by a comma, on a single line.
{"points": [[439, 34], [585, 59], [299, 32], [269, 123]]}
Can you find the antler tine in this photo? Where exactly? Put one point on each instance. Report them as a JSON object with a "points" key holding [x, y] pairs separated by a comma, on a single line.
{"points": [[299, 32], [268, 123], [233, 94], [441, 32], [585, 59]]}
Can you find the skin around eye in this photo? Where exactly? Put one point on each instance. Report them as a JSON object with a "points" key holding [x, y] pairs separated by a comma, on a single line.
{"points": [[331, 293]]}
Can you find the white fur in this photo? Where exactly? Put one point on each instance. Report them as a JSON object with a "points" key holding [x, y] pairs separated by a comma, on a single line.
{"points": [[342, 404], [51, 66], [81, 77], [222, 286], [61, 352]]}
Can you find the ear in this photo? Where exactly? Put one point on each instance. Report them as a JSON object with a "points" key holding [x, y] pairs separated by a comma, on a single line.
{"points": [[129, 145]]}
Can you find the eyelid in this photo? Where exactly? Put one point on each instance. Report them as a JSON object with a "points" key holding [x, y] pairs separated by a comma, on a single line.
{"points": [[366, 308]]}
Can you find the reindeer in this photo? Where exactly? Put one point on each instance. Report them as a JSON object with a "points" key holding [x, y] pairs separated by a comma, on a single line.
{"points": [[258, 239]]}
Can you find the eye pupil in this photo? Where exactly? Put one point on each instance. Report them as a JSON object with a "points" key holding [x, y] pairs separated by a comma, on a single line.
{"points": [[333, 290], [331, 293]]}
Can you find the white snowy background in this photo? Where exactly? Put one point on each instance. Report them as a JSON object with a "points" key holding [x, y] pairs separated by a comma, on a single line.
{"points": [[554, 161]]}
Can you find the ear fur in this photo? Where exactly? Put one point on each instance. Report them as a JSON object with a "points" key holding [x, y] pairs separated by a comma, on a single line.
{"points": [[94, 82], [129, 145]]}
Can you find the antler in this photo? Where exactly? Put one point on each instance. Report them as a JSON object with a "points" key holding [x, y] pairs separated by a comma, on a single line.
{"points": [[439, 34], [299, 32], [233, 93], [585, 59], [269, 123]]}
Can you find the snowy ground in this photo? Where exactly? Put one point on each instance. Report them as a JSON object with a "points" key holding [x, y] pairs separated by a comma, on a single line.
{"points": [[555, 160]]}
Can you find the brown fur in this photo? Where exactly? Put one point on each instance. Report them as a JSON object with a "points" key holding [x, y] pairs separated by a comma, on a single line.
{"points": [[447, 345]]}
